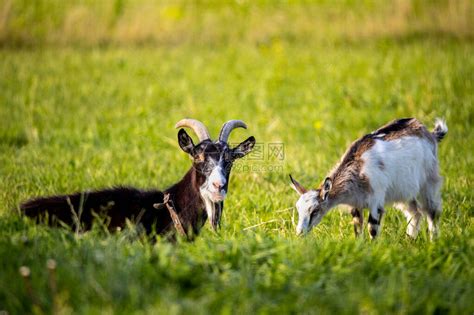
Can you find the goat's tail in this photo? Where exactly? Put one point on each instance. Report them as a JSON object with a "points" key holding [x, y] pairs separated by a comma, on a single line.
{"points": [[52, 208], [440, 130]]}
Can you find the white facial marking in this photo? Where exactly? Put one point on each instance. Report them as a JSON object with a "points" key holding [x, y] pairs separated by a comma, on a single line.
{"points": [[304, 205], [217, 178], [213, 188], [212, 191]]}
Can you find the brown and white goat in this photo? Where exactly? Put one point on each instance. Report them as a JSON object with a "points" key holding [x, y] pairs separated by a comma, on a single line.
{"points": [[396, 163], [197, 196]]}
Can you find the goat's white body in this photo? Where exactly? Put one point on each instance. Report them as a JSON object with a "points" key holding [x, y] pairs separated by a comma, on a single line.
{"points": [[401, 170], [398, 169], [397, 163]]}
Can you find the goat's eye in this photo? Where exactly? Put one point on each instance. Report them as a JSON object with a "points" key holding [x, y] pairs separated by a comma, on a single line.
{"points": [[199, 157], [208, 168], [313, 211]]}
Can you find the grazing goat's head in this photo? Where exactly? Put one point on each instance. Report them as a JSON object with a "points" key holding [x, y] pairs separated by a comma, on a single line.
{"points": [[213, 160], [312, 205]]}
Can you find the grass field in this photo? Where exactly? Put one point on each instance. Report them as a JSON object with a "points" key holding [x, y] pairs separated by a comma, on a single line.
{"points": [[75, 118]]}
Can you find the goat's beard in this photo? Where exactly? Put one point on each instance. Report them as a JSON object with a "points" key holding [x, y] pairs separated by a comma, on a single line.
{"points": [[213, 206]]}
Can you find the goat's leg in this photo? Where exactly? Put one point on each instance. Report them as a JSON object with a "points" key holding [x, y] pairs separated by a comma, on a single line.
{"points": [[375, 218], [431, 205], [413, 216], [357, 220]]}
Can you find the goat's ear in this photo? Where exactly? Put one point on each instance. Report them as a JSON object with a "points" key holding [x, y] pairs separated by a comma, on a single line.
{"points": [[327, 185], [297, 186], [185, 142], [243, 148]]}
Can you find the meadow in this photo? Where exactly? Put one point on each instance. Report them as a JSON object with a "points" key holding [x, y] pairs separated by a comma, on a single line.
{"points": [[98, 110]]}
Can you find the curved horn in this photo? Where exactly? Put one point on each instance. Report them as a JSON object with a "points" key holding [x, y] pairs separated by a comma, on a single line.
{"points": [[228, 127], [197, 126]]}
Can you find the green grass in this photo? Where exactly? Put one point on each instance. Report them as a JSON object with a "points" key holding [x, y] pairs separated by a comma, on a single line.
{"points": [[88, 23], [75, 119]]}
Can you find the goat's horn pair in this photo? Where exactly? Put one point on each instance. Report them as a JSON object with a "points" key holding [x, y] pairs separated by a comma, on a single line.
{"points": [[202, 132], [197, 126], [228, 127]]}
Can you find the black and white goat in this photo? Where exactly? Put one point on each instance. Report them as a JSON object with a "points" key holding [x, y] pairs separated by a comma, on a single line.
{"points": [[197, 196], [396, 163]]}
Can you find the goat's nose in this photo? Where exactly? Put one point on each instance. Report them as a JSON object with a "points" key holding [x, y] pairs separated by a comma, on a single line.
{"points": [[217, 185], [299, 231]]}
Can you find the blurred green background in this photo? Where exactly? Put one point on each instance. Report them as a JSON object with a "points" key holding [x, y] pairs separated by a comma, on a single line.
{"points": [[174, 23], [89, 95]]}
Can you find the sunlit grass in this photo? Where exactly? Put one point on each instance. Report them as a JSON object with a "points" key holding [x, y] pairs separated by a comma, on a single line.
{"points": [[174, 23], [81, 119]]}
